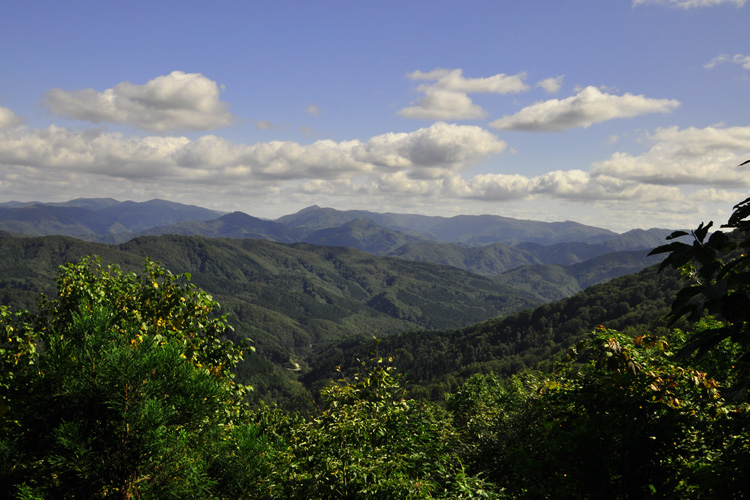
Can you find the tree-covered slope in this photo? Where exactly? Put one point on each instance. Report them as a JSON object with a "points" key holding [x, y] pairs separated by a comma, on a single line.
{"points": [[288, 298], [490, 259], [436, 361], [549, 282], [573, 252], [362, 235], [235, 225]]}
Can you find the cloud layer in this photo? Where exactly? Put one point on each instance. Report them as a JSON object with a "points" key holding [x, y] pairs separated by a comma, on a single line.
{"points": [[174, 102], [588, 107], [431, 164], [426, 153]]}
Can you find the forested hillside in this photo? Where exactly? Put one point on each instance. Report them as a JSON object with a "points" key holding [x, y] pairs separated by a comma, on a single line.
{"points": [[436, 362], [293, 300], [550, 282], [290, 299]]}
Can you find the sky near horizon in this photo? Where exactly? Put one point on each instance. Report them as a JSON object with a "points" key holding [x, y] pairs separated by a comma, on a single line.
{"points": [[618, 114]]}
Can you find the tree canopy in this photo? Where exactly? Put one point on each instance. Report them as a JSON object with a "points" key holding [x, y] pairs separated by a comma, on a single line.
{"points": [[116, 388]]}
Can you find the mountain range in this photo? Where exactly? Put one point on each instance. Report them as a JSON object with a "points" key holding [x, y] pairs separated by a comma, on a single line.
{"points": [[303, 284], [482, 244]]}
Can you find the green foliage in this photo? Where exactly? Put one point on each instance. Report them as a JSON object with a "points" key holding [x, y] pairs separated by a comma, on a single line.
{"points": [[18, 352], [121, 385], [161, 304], [370, 441], [622, 421], [438, 362], [720, 283], [117, 388]]}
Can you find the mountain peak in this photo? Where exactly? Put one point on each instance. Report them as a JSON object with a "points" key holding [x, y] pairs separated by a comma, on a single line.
{"points": [[311, 208]]}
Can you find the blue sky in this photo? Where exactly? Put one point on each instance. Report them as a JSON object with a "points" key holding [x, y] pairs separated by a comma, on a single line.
{"points": [[618, 114]]}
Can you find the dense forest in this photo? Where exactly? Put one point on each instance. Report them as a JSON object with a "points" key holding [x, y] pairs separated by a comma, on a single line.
{"points": [[129, 384], [293, 301]]}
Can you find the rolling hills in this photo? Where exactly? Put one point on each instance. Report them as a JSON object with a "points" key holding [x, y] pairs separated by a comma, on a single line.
{"points": [[303, 286]]}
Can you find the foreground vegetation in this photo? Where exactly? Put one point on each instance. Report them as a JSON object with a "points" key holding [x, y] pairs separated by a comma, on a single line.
{"points": [[122, 385]]}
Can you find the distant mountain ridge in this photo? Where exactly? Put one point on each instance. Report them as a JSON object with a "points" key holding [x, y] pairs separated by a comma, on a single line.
{"points": [[96, 219], [468, 229], [481, 244]]}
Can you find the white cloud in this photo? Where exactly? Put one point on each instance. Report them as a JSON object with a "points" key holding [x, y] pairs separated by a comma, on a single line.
{"points": [[495, 187], [424, 153], [441, 104], [551, 85], [694, 141], [576, 185], [689, 4], [313, 109], [582, 110], [8, 118], [90, 151], [453, 79], [399, 184], [447, 98], [740, 59], [177, 101], [703, 157], [715, 195], [441, 146]]}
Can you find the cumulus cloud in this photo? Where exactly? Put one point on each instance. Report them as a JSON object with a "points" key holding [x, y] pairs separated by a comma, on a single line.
{"points": [[689, 4], [589, 106], [433, 149], [447, 98], [424, 153], [440, 104], [177, 101], [575, 185], [8, 118], [453, 79], [551, 85], [89, 151], [313, 109], [740, 59], [715, 195], [703, 157], [708, 158]]}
